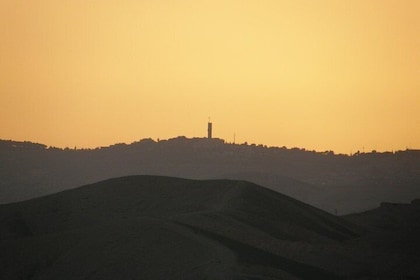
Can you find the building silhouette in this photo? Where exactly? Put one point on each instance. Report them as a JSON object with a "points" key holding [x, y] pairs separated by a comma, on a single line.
{"points": [[209, 130]]}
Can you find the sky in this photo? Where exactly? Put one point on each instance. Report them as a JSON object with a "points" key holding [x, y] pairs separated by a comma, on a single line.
{"points": [[320, 75]]}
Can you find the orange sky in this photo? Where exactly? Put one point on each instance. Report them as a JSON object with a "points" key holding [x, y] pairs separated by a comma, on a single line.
{"points": [[324, 75]]}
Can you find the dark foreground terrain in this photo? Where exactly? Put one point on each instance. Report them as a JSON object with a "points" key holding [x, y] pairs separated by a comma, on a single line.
{"points": [[149, 227]]}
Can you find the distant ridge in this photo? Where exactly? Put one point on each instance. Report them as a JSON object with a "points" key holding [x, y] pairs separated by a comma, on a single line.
{"points": [[36, 145], [339, 184]]}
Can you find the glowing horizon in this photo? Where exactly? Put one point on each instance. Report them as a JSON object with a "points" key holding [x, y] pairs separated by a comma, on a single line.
{"points": [[331, 75]]}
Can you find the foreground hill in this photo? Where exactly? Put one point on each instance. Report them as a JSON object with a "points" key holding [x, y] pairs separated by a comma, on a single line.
{"points": [[148, 227], [392, 239], [335, 183]]}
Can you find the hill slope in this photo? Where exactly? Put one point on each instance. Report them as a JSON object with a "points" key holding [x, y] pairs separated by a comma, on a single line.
{"points": [[148, 227]]}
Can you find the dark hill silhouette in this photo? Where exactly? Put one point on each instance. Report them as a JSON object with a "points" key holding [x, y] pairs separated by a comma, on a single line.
{"points": [[335, 183], [392, 239], [149, 227], [220, 217]]}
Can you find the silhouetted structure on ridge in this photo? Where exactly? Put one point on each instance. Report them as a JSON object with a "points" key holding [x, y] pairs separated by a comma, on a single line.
{"points": [[209, 130]]}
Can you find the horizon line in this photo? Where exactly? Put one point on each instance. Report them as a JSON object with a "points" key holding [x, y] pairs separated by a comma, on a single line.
{"points": [[157, 140]]}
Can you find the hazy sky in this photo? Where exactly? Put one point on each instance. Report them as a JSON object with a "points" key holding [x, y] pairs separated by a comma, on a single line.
{"points": [[321, 75]]}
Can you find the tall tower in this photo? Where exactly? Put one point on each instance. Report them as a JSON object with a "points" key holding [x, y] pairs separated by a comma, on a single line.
{"points": [[209, 129]]}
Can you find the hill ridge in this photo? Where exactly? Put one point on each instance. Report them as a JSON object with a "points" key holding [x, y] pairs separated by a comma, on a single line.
{"points": [[335, 183], [158, 227]]}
